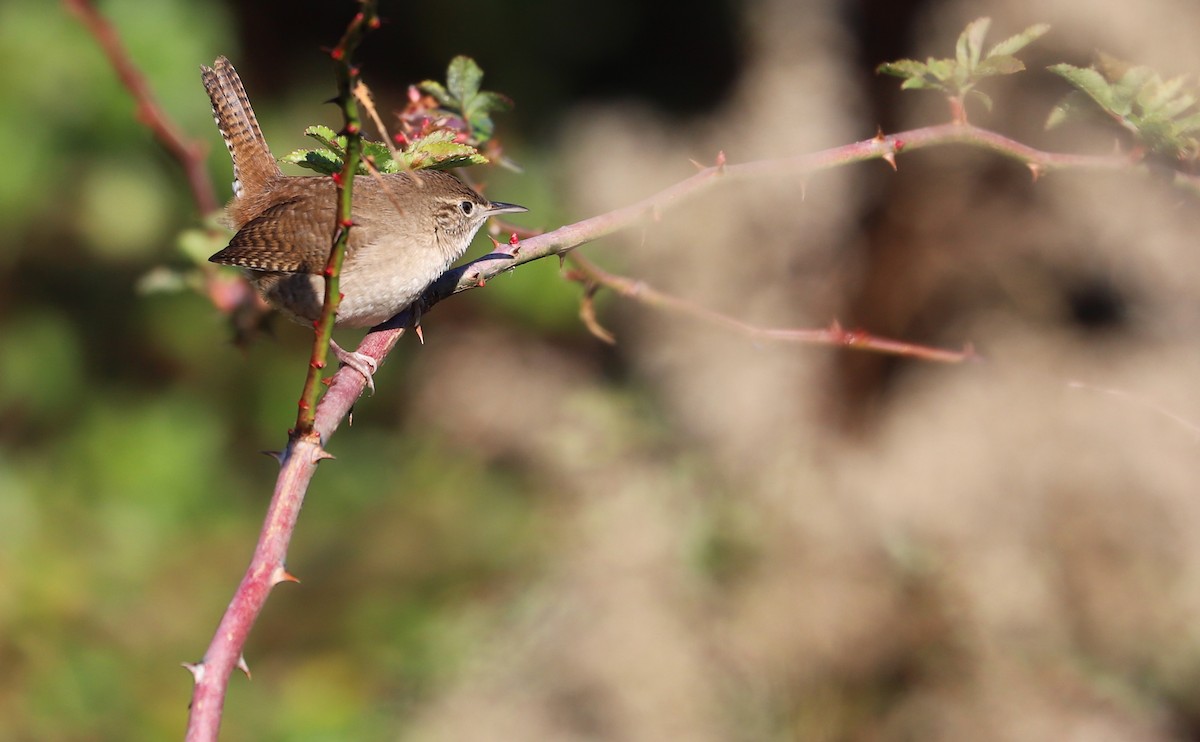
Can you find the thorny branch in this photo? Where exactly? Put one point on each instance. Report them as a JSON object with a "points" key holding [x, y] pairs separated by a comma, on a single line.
{"points": [[298, 462]]}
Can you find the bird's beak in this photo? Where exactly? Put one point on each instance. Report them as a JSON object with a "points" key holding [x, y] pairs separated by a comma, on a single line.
{"points": [[499, 207]]}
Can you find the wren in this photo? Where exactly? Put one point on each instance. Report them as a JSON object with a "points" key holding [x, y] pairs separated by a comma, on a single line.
{"points": [[408, 227]]}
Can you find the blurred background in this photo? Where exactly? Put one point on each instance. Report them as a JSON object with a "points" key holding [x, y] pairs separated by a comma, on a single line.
{"points": [[528, 534]]}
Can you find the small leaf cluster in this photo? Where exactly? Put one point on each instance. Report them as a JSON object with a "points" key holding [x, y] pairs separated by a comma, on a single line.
{"points": [[461, 96], [441, 129], [958, 77], [1161, 114], [439, 150]]}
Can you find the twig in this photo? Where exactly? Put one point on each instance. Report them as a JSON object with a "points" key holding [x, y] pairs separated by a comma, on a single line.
{"points": [[347, 77], [592, 275], [188, 153]]}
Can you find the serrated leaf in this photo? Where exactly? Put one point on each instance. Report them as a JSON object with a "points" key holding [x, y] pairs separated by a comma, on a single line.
{"points": [[440, 150], [1014, 44], [478, 113], [1087, 80], [438, 91], [463, 77], [970, 43], [999, 65], [903, 68], [323, 161], [919, 83], [941, 69]]}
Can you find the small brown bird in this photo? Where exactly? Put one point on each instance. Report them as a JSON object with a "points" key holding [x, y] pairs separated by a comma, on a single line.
{"points": [[408, 227]]}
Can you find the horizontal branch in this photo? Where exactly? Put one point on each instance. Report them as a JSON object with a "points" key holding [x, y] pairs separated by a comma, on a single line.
{"points": [[348, 384]]}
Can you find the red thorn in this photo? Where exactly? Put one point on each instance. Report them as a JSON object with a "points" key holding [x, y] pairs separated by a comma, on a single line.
{"points": [[513, 240], [890, 158], [351, 129], [327, 381], [303, 404], [347, 223], [337, 54], [317, 364], [337, 178], [401, 140], [897, 145], [481, 282], [327, 273], [196, 669], [341, 296], [241, 665], [420, 334], [1035, 170], [374, 24], [279, 574]]}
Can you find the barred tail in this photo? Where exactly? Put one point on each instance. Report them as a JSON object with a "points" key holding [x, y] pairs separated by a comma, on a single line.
{"points": [[253, 165]]}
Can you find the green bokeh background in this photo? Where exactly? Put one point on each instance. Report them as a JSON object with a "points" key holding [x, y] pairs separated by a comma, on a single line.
{"points": [[527, 525], [130, 487]]}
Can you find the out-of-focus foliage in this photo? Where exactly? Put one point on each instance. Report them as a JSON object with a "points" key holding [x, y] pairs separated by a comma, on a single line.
{"points": [[958, 77], [528, 536], [130, 486], [1161, 114]]}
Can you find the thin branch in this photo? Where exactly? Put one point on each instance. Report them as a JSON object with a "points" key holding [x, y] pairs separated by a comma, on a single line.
{"points": [[188, 153], [592, 275], [348, 385], [267, 565], [347, 78]]}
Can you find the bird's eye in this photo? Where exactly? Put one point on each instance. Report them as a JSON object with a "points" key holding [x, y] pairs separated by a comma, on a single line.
{"points": [[466, 207]]}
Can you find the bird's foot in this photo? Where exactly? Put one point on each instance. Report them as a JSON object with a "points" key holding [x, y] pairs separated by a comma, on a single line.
{"points": [[360, 362]]}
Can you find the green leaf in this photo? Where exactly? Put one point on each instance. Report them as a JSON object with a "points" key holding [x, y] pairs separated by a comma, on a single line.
{"points": [[328, 138], [970, 43], [903, 68], [440, 150], [941, 69], [463, 78], [1087, 80], [1014, 44], [438, 91], [478, 113], [999, 65], [322, 161], [958, 77]]}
